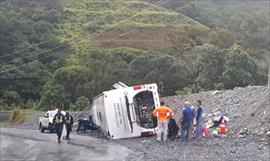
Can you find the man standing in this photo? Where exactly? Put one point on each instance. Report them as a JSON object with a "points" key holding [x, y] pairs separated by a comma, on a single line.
{"points": [[59, 120], [199, 119], [186, 120], [162, 113], [69, 123]]}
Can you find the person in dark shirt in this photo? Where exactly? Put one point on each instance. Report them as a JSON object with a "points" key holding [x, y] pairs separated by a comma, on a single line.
{"points": [[69, 123], [191, 128], [186, 120], [59, 120], [199, 119]]}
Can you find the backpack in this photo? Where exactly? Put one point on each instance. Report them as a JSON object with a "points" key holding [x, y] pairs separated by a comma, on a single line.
{"points": [[172, 128]]}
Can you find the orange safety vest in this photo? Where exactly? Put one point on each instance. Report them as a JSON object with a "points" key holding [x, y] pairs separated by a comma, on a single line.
{"points": [[161, 113]]}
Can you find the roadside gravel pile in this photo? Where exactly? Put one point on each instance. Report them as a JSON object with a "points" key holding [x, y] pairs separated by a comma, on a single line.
{"points": [[248, 108], [247, 140]]}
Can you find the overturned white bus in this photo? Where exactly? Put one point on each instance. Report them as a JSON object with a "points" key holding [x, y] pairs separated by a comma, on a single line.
{"points": [[126, 112]]}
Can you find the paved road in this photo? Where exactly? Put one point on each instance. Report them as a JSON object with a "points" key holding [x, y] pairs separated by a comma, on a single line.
{"points": [[31, 145]]}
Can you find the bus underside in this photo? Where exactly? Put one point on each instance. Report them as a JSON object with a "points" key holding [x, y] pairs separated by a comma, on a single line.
{"points": [[144, 106]]}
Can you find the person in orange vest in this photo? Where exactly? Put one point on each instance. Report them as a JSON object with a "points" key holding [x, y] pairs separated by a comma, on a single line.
{"points": [[162, 113]]}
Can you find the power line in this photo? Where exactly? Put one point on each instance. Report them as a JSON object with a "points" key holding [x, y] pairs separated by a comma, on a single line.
{"points": [[102, 31], [153, 5], [58, 52], [31, 46], [43, 52], [126, 33], [43, 42]]}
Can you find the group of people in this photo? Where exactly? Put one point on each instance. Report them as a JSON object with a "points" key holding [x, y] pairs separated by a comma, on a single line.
{"points": [[186, 121], [59, 121], [163, 114]]}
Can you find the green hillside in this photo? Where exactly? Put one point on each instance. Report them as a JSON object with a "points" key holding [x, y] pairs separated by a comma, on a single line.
{"points": [[87, 18], [64, 52]]}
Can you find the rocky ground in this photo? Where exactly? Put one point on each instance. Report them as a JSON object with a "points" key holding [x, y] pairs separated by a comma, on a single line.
{"points": [[206, 149], [248, 108], [248, 137]]}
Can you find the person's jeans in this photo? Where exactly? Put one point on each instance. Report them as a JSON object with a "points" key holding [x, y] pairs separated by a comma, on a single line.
{"points": [[199, 129], [185, 132], [82, 123], [162, 129]]}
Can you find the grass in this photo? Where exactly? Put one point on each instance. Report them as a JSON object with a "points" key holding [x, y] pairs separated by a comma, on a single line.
{"points": [[85, 17], [99, 5], [109, 17], [17, 116]]}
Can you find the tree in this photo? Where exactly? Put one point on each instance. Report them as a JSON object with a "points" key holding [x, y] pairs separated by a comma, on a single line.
{"points": [[12, 98], [156, 68], [27, 79], [71, 78], [222, 38], [240, 69], [117, 68], [211, 59], [82, 103], [53, 95]]}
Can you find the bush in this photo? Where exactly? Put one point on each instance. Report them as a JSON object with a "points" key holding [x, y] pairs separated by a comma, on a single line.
{"points": [[218, 86], [30, 104], [17, 116], [184, 91]]}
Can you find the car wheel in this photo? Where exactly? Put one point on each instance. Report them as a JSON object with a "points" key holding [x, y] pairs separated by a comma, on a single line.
{"points": [[41, 128]]}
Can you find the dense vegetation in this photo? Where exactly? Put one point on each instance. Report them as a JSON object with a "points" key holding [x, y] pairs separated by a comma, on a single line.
{"points": [[64, 52]]}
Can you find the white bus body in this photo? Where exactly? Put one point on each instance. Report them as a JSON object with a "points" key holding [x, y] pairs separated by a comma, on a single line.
{"points": [[126, 111]]}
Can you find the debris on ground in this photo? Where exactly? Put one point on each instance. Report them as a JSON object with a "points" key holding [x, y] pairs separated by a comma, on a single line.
{"points": [[247, 108]]}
